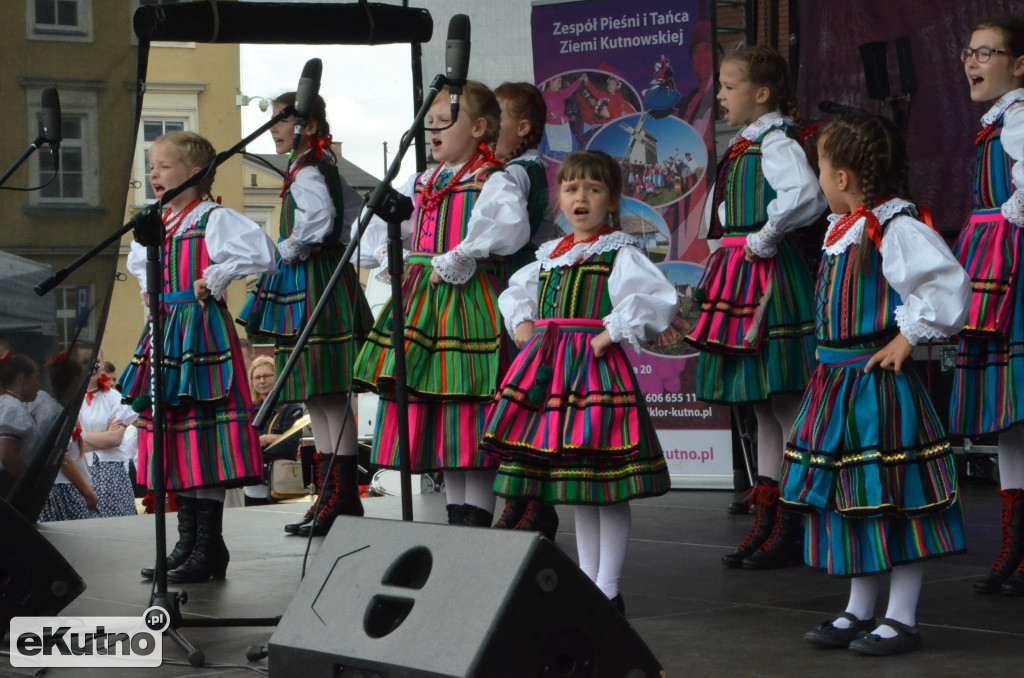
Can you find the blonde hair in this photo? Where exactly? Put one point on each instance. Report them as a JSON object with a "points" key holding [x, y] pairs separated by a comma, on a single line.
{"points": [[196, 151], [259, 362], [478, 101]]}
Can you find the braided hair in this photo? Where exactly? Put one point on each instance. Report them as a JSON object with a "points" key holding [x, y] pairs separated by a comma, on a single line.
{"points": [[523, 101], [317, 114], [872, 149], [765, 67]]}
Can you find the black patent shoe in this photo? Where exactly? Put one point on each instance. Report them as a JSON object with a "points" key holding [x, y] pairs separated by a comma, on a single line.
{"points": [[1014, 586], [829, 637], [619, 604], [907, 639]]}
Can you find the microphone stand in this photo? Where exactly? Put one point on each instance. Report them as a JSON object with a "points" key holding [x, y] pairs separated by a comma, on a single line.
{"points": [[393, 208], [32, 148], [149, 231]]}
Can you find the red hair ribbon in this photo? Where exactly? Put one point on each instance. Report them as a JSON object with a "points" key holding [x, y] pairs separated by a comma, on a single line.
{"points": [[488, 156], [925, 213], [59, 358], [6, 354], [810, 132], [318, 145], [102, 384], [872, 226]]}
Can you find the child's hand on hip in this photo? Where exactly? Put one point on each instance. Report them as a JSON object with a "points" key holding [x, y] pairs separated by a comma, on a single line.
{"points": [[601, 343], [202, 291], [892, 356], [524, 331], [435, 280]]}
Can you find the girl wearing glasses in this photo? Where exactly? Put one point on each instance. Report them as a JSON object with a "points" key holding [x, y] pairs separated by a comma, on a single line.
{"points": [[989, 379]]}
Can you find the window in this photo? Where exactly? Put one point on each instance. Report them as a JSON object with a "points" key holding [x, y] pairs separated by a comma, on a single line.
{"points": [[68, 185], [77, 181], [67, 20], [167, 107], [74, 309], [151, 131]]}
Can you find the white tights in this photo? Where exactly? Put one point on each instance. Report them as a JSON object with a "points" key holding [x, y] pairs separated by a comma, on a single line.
{"points": [[331, 418], [602, 535], [474, 487], [775, 418]]}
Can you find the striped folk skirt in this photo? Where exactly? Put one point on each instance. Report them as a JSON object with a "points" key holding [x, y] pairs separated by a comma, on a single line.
{"points": [[755, 331], [65, 503], [988, 382], [114, 488], [283, 302], [455, 349], [443, 434], [208, 433], [572, 428], [868, 458]]}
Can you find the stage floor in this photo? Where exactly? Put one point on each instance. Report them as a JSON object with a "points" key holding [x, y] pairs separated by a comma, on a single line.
{"points": [[698, 618]]}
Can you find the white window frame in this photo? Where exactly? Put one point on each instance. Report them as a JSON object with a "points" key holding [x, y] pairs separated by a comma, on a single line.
{"points": [[263, 216], [163, 101], [80, 103], [82, 32]]}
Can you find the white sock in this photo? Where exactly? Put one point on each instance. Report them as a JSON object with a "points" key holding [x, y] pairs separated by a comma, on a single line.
{"points": [[480, 488], [786, 407], [616, 523], [1010, 452], [341, 425], [588, 540], [320, 425], [904, 592], [769, 441], [863, 593], [455, 486]]}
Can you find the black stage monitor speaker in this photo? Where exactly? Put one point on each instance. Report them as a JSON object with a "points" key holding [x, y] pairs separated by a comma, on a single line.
{"points": [[35, 580], [876, 69], [905, 58], [393, 599]]}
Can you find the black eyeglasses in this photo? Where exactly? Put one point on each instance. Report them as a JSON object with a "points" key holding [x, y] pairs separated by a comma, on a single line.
{"points": [[983, 54]]}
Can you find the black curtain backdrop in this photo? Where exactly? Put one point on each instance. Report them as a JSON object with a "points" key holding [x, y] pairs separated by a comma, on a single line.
{"points": [[942, 121]]}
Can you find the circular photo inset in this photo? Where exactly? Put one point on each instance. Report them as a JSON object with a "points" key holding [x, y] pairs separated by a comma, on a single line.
{"points": [[579, 103], [685, 276], [662, 159]]}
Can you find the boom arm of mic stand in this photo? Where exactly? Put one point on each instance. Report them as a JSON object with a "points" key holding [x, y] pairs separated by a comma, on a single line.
{"points": [[390, 206]]}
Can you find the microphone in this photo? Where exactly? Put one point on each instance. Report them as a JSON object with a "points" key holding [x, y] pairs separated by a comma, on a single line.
{"points": [[51, 123], [456, 59], [305, 95]]}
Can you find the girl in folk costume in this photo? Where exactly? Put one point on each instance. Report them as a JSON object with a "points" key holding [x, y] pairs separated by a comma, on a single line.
{"points": [[103, 418], [756, 324], [72, 496], [19, 432], [569, 423], [318, 203], [988, 382], [467, 212], [523, 114], [868, 457], [209, 441]]}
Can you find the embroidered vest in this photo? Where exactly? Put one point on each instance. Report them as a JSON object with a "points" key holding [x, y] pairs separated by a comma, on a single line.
{"points": [[579, 291], [185, 256], [993, 183], [742, 187], [853, 307], [442, 228], [336, 237]]}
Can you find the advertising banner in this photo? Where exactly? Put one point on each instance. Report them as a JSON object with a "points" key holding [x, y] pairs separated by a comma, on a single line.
{"points": [[635, 80]]}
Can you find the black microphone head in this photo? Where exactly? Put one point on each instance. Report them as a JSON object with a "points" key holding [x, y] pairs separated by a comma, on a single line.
{"points": [[456, 54], [309, 87], [51, 116]]}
